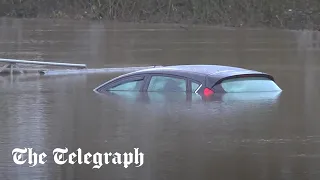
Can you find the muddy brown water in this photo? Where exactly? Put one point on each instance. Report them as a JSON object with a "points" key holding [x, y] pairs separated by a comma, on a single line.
{"points": [[249, 137]]}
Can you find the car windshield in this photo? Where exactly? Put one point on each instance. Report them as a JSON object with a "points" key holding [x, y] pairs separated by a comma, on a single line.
{"points": [[249, 84]]}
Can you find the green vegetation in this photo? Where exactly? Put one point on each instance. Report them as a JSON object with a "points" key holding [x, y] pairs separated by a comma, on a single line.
{"points": [[292, 14]]}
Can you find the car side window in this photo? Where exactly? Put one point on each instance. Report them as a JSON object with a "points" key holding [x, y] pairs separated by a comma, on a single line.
{"points": [[167, 84], [134, 85], [194, 86]]}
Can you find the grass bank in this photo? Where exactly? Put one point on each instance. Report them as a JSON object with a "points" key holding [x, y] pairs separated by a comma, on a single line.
{"points": [[290, 14]]}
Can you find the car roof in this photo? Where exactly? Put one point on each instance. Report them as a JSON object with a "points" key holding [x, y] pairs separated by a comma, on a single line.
{"points": [[216, 71]]}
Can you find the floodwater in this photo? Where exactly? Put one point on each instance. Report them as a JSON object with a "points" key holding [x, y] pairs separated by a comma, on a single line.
{"points": [[236, 136]]}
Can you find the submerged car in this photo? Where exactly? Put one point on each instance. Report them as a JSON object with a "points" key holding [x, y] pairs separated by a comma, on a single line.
{"points": [[201, 79]]}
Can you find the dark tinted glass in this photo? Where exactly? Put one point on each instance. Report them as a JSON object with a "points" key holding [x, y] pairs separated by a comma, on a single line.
{"points": [[194, 86], [128, 86], [167, 84]]}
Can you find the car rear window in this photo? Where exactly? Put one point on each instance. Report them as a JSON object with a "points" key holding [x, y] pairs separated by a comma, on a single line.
{"points": [[249, 84]]}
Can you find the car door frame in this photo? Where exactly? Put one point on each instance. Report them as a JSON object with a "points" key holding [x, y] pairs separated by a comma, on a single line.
{"points": [[150, 75], [124, 80], [195, 81]]}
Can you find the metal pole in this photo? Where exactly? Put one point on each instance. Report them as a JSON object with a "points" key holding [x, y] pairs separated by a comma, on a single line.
{"points": [[11, 69], [16, 61]]}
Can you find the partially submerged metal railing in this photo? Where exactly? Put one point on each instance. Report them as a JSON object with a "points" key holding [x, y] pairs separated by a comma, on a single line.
{"points": [[16, 61], [96, 71], [12, 66]]}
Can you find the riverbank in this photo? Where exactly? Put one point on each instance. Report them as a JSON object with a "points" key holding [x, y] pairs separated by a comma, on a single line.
{"points": [[297, 14]]}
